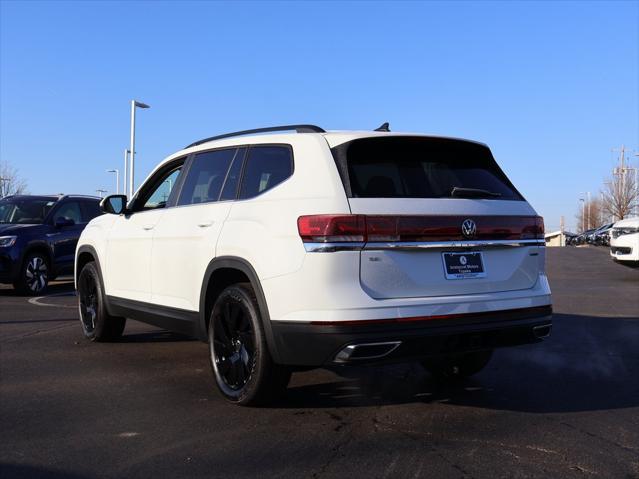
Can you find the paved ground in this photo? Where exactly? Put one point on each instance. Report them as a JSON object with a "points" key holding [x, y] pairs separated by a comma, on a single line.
{"points": [[147, 407]]}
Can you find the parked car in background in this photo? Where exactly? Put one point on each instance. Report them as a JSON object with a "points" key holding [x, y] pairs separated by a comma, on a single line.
{"points": [[624, 242], [582, 238], [38, 236], [601, 237], [321, 249]]}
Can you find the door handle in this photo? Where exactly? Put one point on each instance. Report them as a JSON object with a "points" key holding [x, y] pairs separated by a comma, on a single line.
{"points": [[148, 227], [205, 224]]}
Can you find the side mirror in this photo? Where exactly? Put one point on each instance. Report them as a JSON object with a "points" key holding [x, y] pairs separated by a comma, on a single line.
{"points": [[61, 222], [114, 204]]}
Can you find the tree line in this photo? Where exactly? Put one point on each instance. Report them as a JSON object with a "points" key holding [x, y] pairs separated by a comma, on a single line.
{"points": [[618, 199]]}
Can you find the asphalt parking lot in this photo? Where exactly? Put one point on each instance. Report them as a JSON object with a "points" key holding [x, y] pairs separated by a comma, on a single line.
{"points": [[147, 406]]}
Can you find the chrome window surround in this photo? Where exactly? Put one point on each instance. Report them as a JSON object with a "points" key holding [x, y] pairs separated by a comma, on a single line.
{"points": [[419, 245]]}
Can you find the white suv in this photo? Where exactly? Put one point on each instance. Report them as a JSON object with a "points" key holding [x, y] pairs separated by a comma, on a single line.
{"points": [[321, 249]]}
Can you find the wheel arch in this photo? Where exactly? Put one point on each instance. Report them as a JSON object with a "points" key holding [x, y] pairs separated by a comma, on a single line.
{"points": [[229, 270], [85, 254], [38, 246]]}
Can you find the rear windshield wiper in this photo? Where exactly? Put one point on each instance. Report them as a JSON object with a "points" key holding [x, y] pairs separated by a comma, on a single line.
{"points": [[473, 193]]}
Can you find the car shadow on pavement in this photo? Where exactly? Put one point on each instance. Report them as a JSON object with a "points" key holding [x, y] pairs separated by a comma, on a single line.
{"points": [[15, 471], [55, 288], [589, 363], [159, 336]]}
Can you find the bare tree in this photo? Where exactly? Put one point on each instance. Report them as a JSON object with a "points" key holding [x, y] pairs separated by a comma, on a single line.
{"points": [[619, 196], [590, 215], [10, 181]]}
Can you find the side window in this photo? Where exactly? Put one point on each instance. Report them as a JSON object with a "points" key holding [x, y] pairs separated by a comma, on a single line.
{"points": [[159, 195], [90, 209], [71, 211], [206, 176], [229, 192], [266, 167]]}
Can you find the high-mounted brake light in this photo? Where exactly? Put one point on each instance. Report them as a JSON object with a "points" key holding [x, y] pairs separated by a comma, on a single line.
{"points": [[415, 228]]}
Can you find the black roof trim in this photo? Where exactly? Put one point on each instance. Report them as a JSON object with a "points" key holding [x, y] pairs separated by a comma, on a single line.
{"points": [[297, 128]]}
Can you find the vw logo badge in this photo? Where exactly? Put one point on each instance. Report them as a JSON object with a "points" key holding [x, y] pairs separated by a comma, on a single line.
{"points": [[469, 228], [463, 260]]}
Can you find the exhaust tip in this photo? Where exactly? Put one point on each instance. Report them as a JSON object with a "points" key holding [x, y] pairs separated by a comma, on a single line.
{"points": [[543, 331], [365, 351]]}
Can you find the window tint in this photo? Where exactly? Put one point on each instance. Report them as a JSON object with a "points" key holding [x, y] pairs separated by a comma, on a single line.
{"points": [[71, 211], [206, 176], [266, 167], [159, 196], [422, 168], [90, 209], [229, 192], [25, 211]]}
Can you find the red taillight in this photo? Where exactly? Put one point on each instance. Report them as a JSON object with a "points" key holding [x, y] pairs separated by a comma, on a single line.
{"points": [[332, 228], [415, 228], [533, 230]]}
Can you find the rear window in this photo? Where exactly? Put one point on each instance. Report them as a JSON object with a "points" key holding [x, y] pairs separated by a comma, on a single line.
{"points": [[414, 167]]}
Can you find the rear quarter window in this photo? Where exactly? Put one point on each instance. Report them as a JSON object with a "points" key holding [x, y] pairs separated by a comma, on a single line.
{"points": [[416, 167], [266, 167]]}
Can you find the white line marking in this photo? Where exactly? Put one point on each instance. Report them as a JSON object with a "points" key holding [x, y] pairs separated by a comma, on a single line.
{"points": [[36, 300]]}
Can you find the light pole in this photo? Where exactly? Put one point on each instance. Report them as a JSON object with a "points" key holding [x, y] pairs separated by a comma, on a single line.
{"points": [[134, 105], [117, 179], [589, 202], [126, 168], [583, 213], [2, 181], [100, 191]]}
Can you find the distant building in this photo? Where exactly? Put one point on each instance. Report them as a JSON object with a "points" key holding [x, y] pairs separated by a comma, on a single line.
{"points": [[558, 238]]}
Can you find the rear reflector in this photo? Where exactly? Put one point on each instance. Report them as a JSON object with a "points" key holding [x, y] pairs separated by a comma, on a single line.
{"points": [[378, 228], [500, 315]]}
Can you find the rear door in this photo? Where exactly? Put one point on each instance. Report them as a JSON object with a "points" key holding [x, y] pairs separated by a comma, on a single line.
{"points": [[417, 193]]}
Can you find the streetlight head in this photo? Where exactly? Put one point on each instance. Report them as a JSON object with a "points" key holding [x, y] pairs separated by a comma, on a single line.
{"points": [[111, 171], [139, 104]]}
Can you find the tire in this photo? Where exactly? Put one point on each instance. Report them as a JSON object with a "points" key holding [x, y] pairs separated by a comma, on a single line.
{"points": [[97, 323], [242, 366], [457, 366], [34, 275]]}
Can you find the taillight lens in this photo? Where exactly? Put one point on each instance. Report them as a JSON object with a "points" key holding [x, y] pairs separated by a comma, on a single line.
{"points": [[415, 228], [534, 230], [332, 228]]}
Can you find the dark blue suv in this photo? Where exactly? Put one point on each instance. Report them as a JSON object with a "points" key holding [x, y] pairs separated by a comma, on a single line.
{"points": [[38, 235]]}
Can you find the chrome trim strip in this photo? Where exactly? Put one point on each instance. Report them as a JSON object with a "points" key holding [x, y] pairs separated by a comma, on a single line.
{"points": [[332, 247], [418, 246], [542, 331], [409, 245], [345, 354]]}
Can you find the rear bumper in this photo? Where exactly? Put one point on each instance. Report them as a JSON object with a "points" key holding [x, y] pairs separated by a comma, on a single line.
{"points": [[325, 344]]}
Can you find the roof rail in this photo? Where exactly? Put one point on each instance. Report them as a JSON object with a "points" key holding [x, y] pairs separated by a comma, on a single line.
{"points": [[297, 128]]}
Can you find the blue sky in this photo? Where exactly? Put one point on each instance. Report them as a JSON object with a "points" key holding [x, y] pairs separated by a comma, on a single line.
{"points": [[551, 87]]}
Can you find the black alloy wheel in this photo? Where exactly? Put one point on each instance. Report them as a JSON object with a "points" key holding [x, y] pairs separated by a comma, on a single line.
{"points": [[97, 323], [242, 365], [234, 340]]}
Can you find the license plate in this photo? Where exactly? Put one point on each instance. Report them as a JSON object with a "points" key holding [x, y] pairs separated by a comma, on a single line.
{"points": [[463, 265]]}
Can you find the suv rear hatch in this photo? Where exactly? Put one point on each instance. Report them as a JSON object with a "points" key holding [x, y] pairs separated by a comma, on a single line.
{"points": [[441, 218]]}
